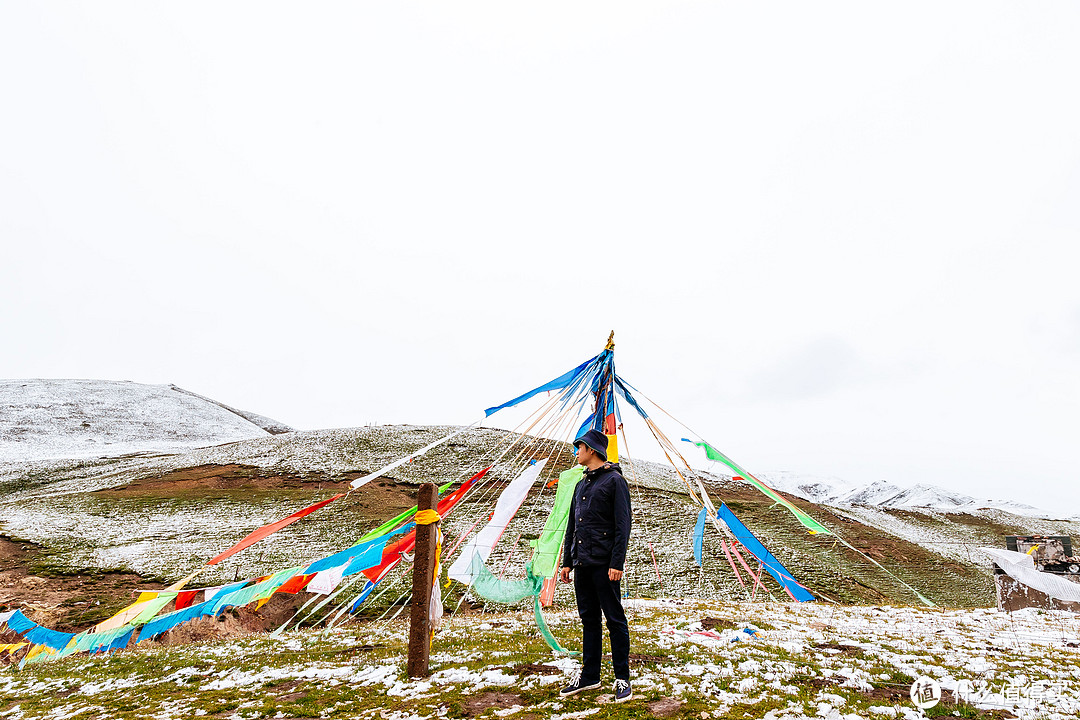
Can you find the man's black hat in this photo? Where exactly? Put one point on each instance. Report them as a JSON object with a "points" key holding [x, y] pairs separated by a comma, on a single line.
{"points": [[595, 440]]}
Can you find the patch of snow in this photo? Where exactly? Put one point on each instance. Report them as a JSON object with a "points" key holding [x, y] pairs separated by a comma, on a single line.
{"points": [[746, 684], [831, 699], [497, 677], [578, 714]]}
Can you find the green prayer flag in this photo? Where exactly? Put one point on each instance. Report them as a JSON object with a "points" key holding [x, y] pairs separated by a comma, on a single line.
{"points": [[258, 591], [267, 587], [491, 588], [808, 522], [549, 545], [394, 522], [550, 639], [151, 608]]}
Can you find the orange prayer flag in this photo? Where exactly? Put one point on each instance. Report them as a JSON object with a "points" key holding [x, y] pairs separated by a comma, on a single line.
{"points": [[270, 529]]}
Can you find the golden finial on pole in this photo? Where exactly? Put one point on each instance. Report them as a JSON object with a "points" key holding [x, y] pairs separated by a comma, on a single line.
{"points": [[610, 341]]}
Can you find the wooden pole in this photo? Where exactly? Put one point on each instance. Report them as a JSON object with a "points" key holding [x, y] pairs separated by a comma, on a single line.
{"points": [[423, 569]]}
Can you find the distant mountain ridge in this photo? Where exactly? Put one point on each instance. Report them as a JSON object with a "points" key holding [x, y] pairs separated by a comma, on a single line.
{"points": [[880, 493], [52, 419]]}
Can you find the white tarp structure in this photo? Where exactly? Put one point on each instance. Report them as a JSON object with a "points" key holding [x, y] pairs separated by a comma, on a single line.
{"points": [[505, 509], [1021, 567]]}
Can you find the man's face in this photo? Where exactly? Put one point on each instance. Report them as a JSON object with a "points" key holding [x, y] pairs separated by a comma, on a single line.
{"points": [[583, 453]]}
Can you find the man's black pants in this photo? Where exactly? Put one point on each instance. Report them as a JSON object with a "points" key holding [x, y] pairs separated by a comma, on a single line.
{"points": [[596, 594]]}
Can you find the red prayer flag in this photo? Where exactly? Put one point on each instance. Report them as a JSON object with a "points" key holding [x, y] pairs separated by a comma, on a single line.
{"points": [[271, 529], [184, 598]]}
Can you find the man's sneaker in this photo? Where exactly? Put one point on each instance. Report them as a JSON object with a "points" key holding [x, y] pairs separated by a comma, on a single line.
{"points": [[575, 687], [623, 691]]}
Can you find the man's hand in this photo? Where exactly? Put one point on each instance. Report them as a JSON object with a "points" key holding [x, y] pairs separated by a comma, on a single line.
{"points": [[564, 574], [614, 575]]}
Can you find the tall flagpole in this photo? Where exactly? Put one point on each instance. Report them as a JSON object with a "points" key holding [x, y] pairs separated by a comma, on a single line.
{"points": [[605, 402]]}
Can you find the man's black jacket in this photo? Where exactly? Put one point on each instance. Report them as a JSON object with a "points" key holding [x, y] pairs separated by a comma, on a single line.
{"points": [[599, 525]]}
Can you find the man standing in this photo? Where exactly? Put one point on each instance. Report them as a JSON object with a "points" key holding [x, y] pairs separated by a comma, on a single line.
{"points": [[597, 533]]}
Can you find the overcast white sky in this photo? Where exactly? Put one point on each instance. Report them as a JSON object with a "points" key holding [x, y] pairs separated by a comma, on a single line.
{"points": [[834, 238]]}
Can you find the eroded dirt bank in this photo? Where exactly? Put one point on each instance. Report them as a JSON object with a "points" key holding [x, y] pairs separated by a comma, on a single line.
{"points": [[62, 602]]}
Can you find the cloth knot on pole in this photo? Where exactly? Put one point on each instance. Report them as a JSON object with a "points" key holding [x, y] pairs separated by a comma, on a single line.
{"points": [[427, 517]]}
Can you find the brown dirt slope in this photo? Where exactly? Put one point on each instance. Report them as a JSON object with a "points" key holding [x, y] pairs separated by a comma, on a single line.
{"points": [[62, 602], [225, 477]]}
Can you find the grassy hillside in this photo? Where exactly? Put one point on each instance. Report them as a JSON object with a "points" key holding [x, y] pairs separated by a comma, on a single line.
{"points": [[161, 516]]}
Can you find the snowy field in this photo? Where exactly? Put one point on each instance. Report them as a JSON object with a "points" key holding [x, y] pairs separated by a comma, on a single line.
{"points": [[63, 419], [806, 661]]}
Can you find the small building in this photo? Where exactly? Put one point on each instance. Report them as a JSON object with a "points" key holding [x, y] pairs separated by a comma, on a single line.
{"points": [[1051, 553], [1037, 571]]}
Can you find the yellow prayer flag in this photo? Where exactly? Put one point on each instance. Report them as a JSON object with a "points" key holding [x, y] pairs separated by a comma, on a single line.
{"points": [[613, 448]]}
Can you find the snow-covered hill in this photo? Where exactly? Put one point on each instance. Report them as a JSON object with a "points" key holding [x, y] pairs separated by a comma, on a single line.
{"points": [[53, 419], [835, 491]]}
